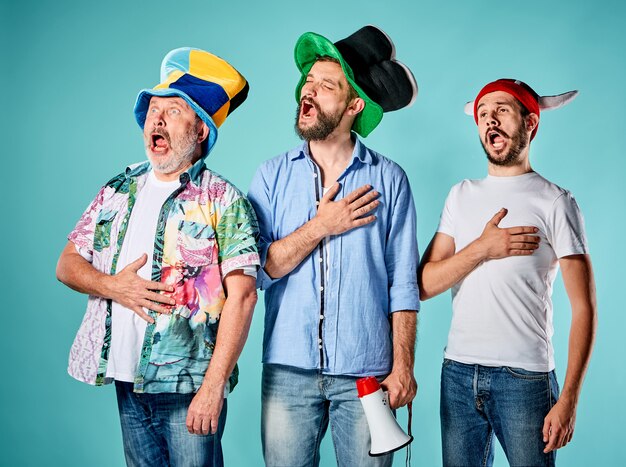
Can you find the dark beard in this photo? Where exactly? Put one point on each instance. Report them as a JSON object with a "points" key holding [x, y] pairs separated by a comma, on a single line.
{"points": [[326, 124], [519, 141]]}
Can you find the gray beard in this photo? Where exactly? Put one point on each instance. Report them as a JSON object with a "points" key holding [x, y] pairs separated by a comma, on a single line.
{"points": [[181, 154]]}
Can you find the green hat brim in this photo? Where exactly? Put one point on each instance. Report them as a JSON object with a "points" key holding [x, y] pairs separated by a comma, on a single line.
{"points": [[309, 47]]}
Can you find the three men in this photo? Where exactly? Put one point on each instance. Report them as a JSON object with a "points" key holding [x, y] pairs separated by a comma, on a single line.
{"points": [[499, 244], [339, 255], [167, 253]]}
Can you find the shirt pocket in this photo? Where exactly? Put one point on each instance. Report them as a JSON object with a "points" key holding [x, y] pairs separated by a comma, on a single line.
{"points": [[196, 245], [102, 231]]}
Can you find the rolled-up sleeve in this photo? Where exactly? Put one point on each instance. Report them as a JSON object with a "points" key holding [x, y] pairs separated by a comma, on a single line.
{"points": [[401, 253]]}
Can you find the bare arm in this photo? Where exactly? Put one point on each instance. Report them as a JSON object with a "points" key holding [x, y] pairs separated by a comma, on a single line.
{"points": [[125, 287], [400, 383], [441, 268], [332, 218], [204, 410], [577, 272]]}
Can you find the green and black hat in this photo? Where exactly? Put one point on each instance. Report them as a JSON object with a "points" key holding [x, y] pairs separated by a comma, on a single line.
{"points": [[367, 58]]}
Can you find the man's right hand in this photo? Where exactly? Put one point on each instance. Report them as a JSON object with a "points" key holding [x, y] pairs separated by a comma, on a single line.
{"points": [[512, 241], [136, 293], [337, 217]]}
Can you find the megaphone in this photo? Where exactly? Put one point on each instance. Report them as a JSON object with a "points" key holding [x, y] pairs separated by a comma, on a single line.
{"points": [[385, 433]]}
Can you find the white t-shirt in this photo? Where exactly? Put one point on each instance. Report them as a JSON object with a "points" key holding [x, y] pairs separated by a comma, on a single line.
{"points": [[502, 311]]}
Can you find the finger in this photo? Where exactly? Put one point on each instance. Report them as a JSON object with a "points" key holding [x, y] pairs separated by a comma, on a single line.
{"points": [[147, 304], [552, 441], [152, 285], [332, 192], [138, 263], [525, 238], [189, 422], [495, 220], [522, 229], [142, 314], [365, 199], [521, 252], [523, 246], [206, 426], [351, 197], [546, 430], [365, 209], [197, 425], [363, 221], [160, 298]]}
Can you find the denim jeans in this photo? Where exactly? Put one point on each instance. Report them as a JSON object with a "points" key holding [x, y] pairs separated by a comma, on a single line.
{"points": [[478, 402], [297, 407], [155, 432]]}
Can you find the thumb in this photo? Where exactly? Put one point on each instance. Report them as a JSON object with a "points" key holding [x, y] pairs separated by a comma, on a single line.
{"points": [[332, 192], [138, 263], [495, 220], [546, 430]]}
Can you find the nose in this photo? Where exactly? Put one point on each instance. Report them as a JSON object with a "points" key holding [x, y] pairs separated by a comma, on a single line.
{"points": [[309, 90], [492, 120]]}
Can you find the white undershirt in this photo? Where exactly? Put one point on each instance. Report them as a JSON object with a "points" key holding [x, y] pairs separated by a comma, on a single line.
{"points": [[127, 328]]}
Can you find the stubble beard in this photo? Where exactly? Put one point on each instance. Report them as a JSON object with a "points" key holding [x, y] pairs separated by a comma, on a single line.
{"points": [[519, 142]]}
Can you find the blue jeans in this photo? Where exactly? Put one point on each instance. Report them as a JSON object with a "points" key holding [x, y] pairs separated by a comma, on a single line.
{"points": [[155, 432], [298, 405], [478, 402]]}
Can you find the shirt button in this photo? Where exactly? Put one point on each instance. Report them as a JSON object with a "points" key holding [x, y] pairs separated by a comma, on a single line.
{"points": [[321, 316], [320, 346], [319, 341], [321, 288], [321, 259], [314, 175]]}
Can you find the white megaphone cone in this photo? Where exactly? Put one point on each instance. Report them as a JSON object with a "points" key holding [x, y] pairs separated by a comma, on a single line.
{"points": [[385, 433]]}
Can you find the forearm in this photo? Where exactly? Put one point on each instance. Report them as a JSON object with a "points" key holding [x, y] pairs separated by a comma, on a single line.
{"points": [[436, 277], [79, 274], [403, 326], [284, 255], [234, 326], [581, 340]]}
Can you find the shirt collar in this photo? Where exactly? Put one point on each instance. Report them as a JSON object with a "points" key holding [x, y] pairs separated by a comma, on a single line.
{"points": [[193, 174], [360, 152]]}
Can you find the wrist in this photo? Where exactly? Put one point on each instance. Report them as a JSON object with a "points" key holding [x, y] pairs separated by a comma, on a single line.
{"points": [[317, 229]]}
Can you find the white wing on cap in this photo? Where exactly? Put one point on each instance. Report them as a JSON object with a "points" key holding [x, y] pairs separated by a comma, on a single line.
{"points": [[469, 108], [554, 102]]}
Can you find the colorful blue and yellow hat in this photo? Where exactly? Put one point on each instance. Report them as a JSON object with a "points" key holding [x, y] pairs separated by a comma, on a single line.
{"points": [[210, 85]]}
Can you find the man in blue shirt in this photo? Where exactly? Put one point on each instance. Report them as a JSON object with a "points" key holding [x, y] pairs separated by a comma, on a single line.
{"points": [[339, 255]]}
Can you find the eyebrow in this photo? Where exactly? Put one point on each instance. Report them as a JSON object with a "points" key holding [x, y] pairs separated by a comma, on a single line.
{"points": [[326, 80], [497, 103]]}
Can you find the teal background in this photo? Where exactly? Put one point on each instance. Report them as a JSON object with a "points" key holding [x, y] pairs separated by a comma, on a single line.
{"points": [[70, 71]]}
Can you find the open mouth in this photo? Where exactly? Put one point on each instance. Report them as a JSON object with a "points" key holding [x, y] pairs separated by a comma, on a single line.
{"points": [[495, 139], [158, 142], [307, 108]]}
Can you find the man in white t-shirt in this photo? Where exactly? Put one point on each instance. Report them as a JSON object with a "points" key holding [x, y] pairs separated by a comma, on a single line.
{"points": [[167, 253], [498, 371]]}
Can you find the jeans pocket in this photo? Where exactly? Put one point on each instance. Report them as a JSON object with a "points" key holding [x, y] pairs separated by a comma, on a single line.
{"points": [[446, 362], [526, 374]]}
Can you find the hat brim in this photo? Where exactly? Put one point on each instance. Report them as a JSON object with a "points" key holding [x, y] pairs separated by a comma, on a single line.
{"points": [[309, 47], [143, 102]]}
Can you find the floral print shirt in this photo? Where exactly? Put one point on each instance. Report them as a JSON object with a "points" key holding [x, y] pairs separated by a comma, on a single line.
{"points": [[206, 229]]}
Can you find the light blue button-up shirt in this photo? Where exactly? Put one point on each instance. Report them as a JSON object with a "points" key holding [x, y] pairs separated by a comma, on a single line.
{"points": [[339, 321]]}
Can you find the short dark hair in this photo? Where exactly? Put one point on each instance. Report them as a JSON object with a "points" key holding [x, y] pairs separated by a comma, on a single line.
{"points": [[352, 94]]}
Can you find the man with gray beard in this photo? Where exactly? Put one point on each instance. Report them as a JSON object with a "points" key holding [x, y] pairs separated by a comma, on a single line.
{"points": [[339, 256], [498, 371], [167, 253]]}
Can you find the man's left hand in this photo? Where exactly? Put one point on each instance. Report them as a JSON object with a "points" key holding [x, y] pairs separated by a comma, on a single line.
{"points": [[204, 411], [558, 426], [401, 387]]}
